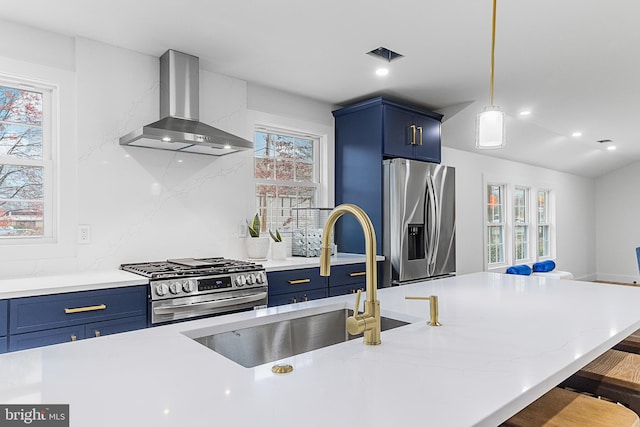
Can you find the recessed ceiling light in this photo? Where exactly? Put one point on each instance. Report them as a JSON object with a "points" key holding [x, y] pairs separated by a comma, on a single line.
{"points": [[611, 147], [166, 139], [525, 113], [576, 134], [227, 147], [382, 72]]}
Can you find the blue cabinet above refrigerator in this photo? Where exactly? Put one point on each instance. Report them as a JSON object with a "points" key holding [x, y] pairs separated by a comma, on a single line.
{"points": [[365, 134]]}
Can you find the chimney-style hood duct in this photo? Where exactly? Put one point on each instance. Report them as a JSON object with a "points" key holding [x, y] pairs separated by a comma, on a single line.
{"points": [[179, 128]]}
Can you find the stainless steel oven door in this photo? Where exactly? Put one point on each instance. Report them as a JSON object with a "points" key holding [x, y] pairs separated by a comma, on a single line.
{"points": [[201, 305]]}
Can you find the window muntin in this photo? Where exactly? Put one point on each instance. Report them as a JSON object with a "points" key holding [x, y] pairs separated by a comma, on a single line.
{"points": [[25, 164], [286, 175]]}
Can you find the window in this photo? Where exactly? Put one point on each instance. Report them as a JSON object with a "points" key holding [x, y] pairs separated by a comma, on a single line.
{"points": [[515, 232], [496, 224], [286, 175], [25, 162], [521, 223], [543, 224]]}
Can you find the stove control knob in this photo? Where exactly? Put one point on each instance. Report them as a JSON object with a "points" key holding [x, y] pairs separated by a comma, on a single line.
{"points": [[175, 287], [188, 286], [162, 289], [241, 280], [251, 279], [260, 277]]}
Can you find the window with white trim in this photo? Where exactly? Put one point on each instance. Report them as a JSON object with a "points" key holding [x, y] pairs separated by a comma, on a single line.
{"points": [[521, 224], [544, 226], [26, 166], [286, 175], [495, 224], [514, 234]]}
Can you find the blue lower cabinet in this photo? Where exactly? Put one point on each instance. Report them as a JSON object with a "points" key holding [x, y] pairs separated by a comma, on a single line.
{"points": [[334, 291], [53, 319], [48, 337], [3, 345], [4, 317], [109, 327], [293, 286]]}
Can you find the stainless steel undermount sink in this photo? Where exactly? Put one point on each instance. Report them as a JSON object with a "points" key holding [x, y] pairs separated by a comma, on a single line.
{"points": [[256, 345]]}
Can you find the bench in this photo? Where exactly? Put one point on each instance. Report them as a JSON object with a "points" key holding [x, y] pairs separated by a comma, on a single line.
{"points": [[614, 375]]}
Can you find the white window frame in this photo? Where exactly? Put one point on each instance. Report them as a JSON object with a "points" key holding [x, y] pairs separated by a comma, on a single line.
{"points": [[526, 223], [318, 163], [488, 225], [509, 186], [63, 183], [49, 149]]}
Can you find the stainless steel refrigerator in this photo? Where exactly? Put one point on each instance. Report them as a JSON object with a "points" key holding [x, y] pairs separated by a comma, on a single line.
{"points": [[419, 221]]}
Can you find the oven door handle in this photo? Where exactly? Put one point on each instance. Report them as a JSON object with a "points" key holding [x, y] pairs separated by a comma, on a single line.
{"points": [[211, 304]]}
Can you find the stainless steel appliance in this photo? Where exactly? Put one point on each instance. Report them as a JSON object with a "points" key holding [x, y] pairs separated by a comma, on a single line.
{"points": [[419, 221], [187, 287]]}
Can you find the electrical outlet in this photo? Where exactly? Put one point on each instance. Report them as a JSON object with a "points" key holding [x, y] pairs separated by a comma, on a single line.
{"points": [[84, 234]]}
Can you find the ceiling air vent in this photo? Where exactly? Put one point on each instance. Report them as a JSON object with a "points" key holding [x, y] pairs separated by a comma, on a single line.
{"points": [[604, 141], [384, 53]]}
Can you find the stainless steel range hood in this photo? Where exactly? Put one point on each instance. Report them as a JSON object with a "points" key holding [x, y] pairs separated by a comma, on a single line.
{"points": [[179, 128]]}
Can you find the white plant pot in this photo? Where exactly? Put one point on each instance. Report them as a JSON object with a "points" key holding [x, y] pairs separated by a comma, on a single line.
{"points": [[278, 251], [257, 247]]}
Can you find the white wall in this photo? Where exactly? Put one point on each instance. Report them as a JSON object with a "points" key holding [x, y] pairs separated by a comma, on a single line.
{"points": [[618, 224], [142, 204], [146, 204], [575, 218]]}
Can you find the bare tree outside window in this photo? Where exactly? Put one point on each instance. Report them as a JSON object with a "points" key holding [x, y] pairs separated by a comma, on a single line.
{"points": [[286, 176], [21, 163]]}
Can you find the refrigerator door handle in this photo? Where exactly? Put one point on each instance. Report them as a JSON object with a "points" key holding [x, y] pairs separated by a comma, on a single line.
{"points": [[433, 223]]}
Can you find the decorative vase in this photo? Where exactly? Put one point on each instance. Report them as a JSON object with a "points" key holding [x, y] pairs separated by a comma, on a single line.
{"points": [[278, 251], [257, 248]]}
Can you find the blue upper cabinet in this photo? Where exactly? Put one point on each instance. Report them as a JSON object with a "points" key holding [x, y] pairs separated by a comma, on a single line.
{"points": [[366, 133], [410, 134]]}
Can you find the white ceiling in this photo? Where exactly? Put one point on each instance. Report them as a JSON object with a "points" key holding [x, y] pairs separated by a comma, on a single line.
{"points": [[574, 63]]}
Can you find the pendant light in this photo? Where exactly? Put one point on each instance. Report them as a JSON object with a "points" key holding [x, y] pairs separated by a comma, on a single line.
{"points": [[490, 122]]}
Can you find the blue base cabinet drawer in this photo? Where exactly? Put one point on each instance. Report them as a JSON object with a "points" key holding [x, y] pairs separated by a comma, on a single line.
{"points": [[32, 314], [348, 277], [3, 345], [292, 286], [295, 297], [48, 337], [74, 333], [304, 279], [109, 327]]}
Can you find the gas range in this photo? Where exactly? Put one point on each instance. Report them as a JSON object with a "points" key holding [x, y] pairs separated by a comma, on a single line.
{"points": [[189, 287]]}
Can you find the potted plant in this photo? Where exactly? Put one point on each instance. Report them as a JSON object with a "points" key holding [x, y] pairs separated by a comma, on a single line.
{"points": [[278, 246], [257, 246]]}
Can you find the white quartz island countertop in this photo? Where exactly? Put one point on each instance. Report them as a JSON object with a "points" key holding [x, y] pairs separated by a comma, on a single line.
{"points": [[505, 341]]}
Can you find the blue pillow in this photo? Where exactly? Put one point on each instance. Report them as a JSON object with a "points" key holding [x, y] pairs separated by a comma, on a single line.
{"points": [[544, 266], [522, 270]]}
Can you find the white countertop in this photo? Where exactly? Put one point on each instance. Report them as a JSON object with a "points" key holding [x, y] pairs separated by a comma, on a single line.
{"points": [[505, 341], [73, 282], [86, 281]]}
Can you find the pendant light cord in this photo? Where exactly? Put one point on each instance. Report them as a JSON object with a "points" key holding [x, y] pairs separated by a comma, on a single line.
{"points": [[493, 49]]}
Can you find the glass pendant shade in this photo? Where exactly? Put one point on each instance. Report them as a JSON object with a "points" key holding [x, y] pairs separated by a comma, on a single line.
{"points": [[490, 128]]}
